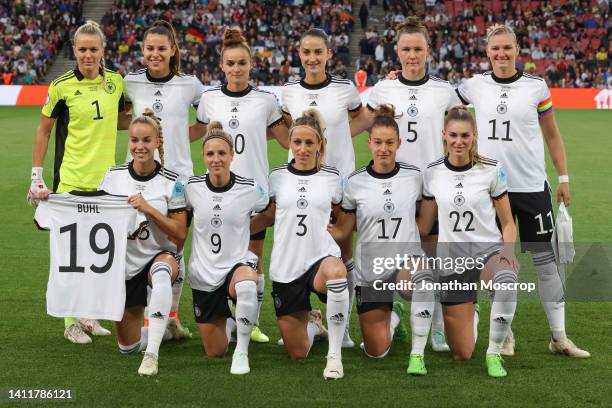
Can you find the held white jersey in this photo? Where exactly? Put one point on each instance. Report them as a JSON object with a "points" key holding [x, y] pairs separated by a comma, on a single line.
{"points": [[88, 236], [246, 116], [303, 207], [421, 106], [163, 192], [385, 207], [334, 99], [171, 99], [507, 116], [464, 195], [221, 219]]}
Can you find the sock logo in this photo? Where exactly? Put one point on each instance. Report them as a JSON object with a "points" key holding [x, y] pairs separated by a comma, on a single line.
{"points": [[244, 321], [424, 314], [337, 318], [157, 315], [500, 320]]}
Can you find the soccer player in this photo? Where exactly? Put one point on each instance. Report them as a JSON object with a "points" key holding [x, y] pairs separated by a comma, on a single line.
{"points": [[251, 116], [305, 258], [162, 87], [467, 191], [514, 113], [421, 101], [86, 103], [221, 265], [381, 201], [152, 257], [336, 99]]}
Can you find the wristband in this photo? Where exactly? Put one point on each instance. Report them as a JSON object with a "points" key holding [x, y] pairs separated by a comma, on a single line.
{"points": [[37, 173], [564, 179]]}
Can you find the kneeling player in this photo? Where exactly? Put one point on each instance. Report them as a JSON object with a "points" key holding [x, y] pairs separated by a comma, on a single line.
{"points": [[151, 257], [221, 266], [305, 258], [466, 191], [381, 200]]}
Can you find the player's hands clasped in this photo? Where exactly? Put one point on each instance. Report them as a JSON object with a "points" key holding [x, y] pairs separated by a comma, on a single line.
{"points": [[38, 190], [138, 202]]}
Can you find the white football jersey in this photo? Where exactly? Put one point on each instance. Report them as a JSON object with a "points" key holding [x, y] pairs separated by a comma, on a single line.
{"points": [[221, 227], [421, 106], [170, 98], [163, 192], [507, 116], [385, 207], [88, 237], [303, 207], [334, 99], [464, 195], [246, 116]]}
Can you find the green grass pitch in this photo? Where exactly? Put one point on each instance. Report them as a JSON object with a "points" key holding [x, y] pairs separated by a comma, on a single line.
{"points": [[34, 353]]}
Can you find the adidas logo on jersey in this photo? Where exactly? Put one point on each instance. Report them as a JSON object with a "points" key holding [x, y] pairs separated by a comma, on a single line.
{"points": [[313, 103], [77, 93], [459, 185], [424, 314], [413, 98], [234, 109], [157, 315], [338, 318], [387, 192], [158, 93], [504, 95], [302, 190], [217, 207]]}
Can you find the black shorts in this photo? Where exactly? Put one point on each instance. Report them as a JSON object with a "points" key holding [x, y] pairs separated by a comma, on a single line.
{"points": [[260, 236], [535, 216], [368, 298], [457, 297], [136, 288], [294, 296], [211, 306]]}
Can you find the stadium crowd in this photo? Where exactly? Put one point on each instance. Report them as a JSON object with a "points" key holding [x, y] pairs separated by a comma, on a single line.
{"points": [[272, 27], [32, 33], [567, 42]]}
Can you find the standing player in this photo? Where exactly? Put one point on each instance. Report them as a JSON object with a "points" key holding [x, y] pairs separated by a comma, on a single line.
{"points": [[221, 265], [514, 112], [86, 103], [251, 116], [305, 257], [381, 200], [336, 99], [152, 259], [421, 101], [466, 192], [162, 87]]}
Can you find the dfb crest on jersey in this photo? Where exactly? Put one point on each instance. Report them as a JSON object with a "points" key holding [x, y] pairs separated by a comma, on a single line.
{"points": [[459, 199], [302, 203], [110, 87], [413, 111], [158, 107], [389, 207], [216, 222], [233, 123], [502, 108], [197, 311]]}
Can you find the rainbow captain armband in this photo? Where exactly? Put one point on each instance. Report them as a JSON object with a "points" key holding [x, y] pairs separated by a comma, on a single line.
{"points": [[545, 107]]}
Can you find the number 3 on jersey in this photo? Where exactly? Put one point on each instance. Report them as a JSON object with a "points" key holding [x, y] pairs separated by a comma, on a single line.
{"points": [[302, 229]]}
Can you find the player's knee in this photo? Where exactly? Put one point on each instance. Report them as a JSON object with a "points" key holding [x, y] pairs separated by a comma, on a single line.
{"points": [[376, 350], [168, 259], [463, 354], [215, 350], [298, 354], [335, 271]]}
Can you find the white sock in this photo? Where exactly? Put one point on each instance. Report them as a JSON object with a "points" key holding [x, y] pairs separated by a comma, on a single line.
{"points": [[311, 329], [337, 312], [261, 286], [551, 292], [159, 307], [421, 310], [246, 313], [502, 311], [230, 327], [132, 348], [177, 287], [350, 271], [395, 319], [476, 321], [437, 320]]}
